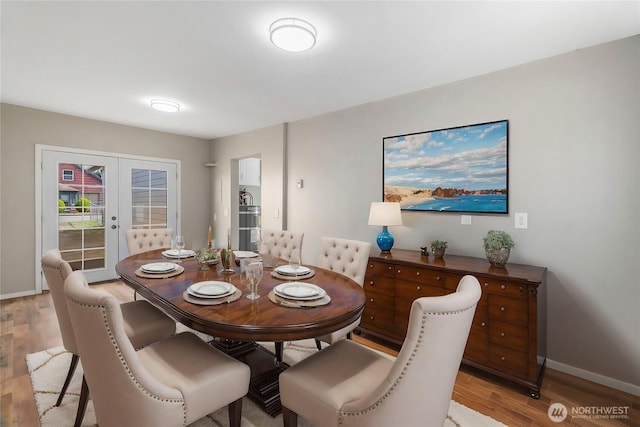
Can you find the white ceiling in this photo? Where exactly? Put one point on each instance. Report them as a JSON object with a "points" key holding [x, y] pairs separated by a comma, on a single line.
{"points": [[105, 60]]}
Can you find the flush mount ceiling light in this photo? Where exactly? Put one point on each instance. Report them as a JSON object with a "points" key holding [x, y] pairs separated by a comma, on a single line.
{"points": [[293, 34], [165, 105]]}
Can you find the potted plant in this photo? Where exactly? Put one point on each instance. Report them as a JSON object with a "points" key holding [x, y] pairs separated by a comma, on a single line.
{"points": [[497, 247], [438, 248]]}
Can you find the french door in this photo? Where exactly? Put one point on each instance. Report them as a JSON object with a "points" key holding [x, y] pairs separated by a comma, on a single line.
{"points": [[89, 200]]}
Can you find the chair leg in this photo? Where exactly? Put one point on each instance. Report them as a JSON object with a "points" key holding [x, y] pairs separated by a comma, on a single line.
{"points": [[279, 352], [235, 413], [289, 417], [82, 403], [72, 369], [318, 344], [349, 336]]}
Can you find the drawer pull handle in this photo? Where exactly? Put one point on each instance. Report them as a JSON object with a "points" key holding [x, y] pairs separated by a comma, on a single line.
{"points": [[370, 265], [483, 324], [486, 285], [503, 287], [438, 278], [389, 268], [399, 271], [417, 273], [371, 300], [418, 287], [521, 289], [371, 283], [501, 308], [503, 358], [501, 334], [370, 317]]}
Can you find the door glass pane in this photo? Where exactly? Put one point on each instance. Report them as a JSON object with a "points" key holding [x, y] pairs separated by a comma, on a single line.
{"points": [[81, 219], [149, 198]]}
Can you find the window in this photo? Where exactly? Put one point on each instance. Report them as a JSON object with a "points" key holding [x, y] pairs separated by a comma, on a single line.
{"points": [[67, 175]]}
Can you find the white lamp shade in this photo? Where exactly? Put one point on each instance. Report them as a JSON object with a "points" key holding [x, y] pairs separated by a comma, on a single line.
{"points": [[385, 213]]}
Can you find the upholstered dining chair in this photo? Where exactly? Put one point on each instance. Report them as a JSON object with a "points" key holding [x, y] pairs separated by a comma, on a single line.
{"points": [[349, 258], [349, 385], [144, 324], [172, 382], [281, 243], [142, 240]]}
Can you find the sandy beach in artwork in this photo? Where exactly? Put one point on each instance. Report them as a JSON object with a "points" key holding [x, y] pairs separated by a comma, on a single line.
{"points": [[406, 196]]}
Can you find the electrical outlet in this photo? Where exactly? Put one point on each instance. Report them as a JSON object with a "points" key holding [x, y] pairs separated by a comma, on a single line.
{"points": [[465, 220], [521, 220]]}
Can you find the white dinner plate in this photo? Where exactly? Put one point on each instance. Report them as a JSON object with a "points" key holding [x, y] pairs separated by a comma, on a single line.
{"points": [[211, 289], [174, 253], [299, 291], [245, 254], [159, 267], [287, 270]]}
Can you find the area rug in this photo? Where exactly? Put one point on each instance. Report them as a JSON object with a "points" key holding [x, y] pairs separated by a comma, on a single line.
{"points": [[48, 369]]}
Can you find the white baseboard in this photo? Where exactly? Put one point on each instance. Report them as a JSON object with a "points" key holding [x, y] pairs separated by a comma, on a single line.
{"points": [[17, 295], [593, 377]]}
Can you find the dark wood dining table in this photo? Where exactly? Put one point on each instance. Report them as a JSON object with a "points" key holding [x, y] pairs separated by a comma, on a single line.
{"points": [[245, 321]]}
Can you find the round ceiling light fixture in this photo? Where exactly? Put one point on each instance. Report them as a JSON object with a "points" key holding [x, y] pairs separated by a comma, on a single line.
{"points": [[165, 105], [293, 34]]}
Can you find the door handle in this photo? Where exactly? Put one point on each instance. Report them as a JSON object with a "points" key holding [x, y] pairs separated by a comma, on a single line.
{"points": [[113, 227]]}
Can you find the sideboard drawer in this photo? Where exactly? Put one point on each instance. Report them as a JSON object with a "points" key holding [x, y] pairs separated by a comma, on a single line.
{"points": [[502, 288], [380, 284], [510, 310], [376, 320], [379, 301], [508, 335], [379, 268], [508, 360], [411, 290], [421, 275]]}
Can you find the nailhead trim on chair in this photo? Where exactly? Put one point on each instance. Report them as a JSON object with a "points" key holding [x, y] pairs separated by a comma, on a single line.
{"points": [[342, 414], [126, 367]]}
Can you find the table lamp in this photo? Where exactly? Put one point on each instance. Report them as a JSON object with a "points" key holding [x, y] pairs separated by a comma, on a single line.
{"points": [[385, 214]]}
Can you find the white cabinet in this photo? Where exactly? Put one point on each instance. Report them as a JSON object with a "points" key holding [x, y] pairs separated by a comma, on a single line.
{"points": [[249, 172]]}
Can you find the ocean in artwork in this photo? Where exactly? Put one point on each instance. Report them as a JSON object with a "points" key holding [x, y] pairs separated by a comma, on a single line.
{"points": [[481, 203]]}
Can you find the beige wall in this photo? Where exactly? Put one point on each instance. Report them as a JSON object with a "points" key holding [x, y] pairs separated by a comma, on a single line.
{"points": [[23, 128], [573, 167], [269, 145]]}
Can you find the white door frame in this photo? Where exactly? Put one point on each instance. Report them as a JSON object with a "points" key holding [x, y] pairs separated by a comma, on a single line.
{"points": [[39, 148]]}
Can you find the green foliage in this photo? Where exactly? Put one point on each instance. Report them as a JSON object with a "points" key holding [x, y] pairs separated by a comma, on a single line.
{"points": [[438, 244], [61, 206], [82, 205], [497, 239]]}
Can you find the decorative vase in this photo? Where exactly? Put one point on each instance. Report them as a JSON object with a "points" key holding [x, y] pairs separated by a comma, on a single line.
{"points": [[498, 257], [226, 258], [438, 253]]}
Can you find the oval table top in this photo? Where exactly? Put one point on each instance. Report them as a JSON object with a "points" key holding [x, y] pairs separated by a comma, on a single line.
{"points": [[245, 319]]}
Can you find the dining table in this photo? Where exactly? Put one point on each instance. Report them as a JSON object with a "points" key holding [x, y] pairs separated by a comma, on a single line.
{"points": [[236, 322]]}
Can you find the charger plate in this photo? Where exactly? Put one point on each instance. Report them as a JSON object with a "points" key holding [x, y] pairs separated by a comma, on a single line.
{"points": [[172, 273], [211, 301], [285, 302], [277, 275]]}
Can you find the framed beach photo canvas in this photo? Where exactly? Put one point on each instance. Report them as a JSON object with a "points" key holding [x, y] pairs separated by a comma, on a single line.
{"points": [[461, 169]]}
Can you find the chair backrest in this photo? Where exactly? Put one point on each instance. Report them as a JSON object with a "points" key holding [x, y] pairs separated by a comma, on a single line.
{"points": [[418, 388], [280, 243], [122, 389], [347, 257], [56, 270], [142, 240]]}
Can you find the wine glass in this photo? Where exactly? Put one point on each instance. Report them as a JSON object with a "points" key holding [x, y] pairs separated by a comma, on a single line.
{"points": [[180, 245], [294, 262], [255, 270]]}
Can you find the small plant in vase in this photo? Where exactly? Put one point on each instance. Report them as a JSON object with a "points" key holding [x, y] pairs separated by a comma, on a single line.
{"points": [[438, 247], [497, 247]]}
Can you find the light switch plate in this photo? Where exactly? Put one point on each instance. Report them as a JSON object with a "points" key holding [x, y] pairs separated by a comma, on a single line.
{"points": [[521, 220], [465, 220]]}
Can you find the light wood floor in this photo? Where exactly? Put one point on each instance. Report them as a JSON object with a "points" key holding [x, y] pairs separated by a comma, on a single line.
{"points": [[29, 325]]}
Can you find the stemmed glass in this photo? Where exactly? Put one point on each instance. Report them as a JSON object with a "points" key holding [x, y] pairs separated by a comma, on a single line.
{"points": [[180, 245], [294, 262], [254, 272]]}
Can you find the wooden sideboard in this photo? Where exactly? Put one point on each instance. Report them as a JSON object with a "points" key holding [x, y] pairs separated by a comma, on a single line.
{"points": [[508, 335]]}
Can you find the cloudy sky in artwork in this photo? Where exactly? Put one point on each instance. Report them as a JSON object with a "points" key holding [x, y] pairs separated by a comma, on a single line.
{"points": [[471, 157]]}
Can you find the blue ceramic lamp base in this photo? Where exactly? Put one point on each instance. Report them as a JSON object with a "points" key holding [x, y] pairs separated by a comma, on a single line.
{"points": [[385, 240]]}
